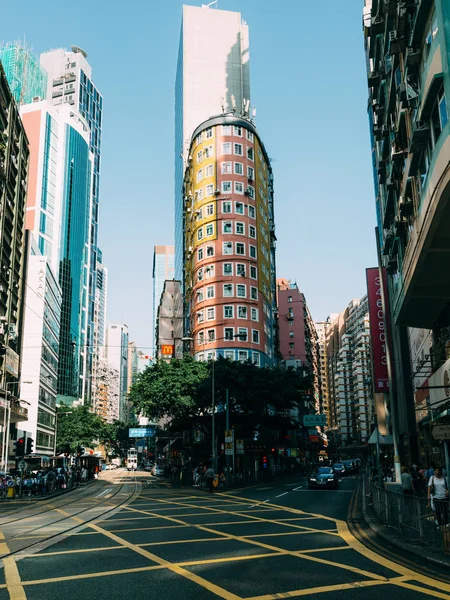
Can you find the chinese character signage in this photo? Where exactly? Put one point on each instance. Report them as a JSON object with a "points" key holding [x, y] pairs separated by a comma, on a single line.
{"points": [[377, 331]]}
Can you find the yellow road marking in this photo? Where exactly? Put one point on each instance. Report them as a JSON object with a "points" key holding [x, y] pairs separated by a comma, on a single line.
{"points": [[258, 535], [12, 578], [183, 541], [417, 588], [89, 575], [147, 528], [78, 551]]}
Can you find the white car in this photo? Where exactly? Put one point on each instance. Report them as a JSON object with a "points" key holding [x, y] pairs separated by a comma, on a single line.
{"points": [[158, 471]]}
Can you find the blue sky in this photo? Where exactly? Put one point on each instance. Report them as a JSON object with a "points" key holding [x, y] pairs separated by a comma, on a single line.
{"points": [[308, 84]]}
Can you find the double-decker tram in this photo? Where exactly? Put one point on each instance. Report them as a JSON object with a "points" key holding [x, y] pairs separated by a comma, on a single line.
{"points": [[132, 459]]}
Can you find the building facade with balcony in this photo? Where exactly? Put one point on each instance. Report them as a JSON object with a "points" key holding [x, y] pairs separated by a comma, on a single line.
{"points": [[229, 261], [407, 48]]}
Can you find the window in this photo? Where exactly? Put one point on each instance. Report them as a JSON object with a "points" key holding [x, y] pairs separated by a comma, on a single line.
{"points": [[238, 149], [289, 298], [228, 311], [251, 173], [249, 136], [210, 314], [252, 251], [228, 268], [200, 254], [256, 359], [243, 334], [200, 275], [240, 228], [228, 333], [237, 130], [238, 168], [199, 175], [240, 269], [291, 334], [291, 345], [199, 193], [252, 231], [240, 248], [238, 187], [254, 314], [209, 133], [253, 273], [255, 336], [200, 295], [209, 271], [443, 113], [209, 250], [199, 156], [201, 337], [209, 210], [228, 290], [209, 171], [239, 208], [210, 229], [226, 207], [253, 293], [229, 354], [200, 233], [227, 227], [199, 138], [200, 316], [226, 187], [251, 212], [265, 270], [209, 190], [199, 213], [250, 191], [242, 355], [227, 167], [211, 335], [241, 290], [210, 291], [226, 148], [201, 357], [226, 129], [208, 151], [250, 154], [242, 312], [227, 248]]}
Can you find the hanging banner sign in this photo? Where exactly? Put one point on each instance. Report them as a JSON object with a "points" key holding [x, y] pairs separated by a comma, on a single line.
{"points": [[377, 330]]}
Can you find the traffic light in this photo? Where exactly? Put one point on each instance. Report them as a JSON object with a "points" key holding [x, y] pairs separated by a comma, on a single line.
{"points": [[19, 449], [264, 462], [30, 443], [66, 450]]}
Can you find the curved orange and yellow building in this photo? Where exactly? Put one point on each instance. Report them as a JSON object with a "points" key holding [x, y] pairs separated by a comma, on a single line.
{"points": [[229, 243]]}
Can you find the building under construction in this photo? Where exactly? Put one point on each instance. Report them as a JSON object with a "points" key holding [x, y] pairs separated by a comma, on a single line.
{"points": [[27, 79]]}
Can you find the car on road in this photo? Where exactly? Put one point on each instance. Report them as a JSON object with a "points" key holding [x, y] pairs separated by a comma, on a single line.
{"points": [[339, 469], [323, 477], [110, 467], [157, 471], [350, 466]]}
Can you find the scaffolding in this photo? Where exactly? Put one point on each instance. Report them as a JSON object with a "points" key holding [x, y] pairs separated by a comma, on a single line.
{"points": [[26, 78]]}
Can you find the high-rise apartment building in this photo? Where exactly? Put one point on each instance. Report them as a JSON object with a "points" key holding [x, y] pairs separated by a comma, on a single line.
{"points": [[14, 157], [117, 358], [408, 69], [163, 269], [106, 386], [349, 372], [169, 322], [101, 295], [212, 77], [229, 267], [27, 79]]}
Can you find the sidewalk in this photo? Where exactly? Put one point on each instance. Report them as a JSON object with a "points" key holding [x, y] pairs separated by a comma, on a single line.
{"points": [[394, 537]]}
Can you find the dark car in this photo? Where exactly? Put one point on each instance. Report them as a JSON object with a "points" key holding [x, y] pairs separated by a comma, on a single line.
{"points": [[324, 477], [339, 469], [350, 466]]}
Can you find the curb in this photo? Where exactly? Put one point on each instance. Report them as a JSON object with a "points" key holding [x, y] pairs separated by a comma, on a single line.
{"points": [[386, 533]]}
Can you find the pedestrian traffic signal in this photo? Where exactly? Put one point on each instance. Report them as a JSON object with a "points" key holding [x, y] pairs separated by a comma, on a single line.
{"points": [[264, 462], [66, 450], [30, 443], [19, 449]]}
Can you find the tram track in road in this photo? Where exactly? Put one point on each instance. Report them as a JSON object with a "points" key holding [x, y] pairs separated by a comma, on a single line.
{"points": [[362, 532], [31, 537]]}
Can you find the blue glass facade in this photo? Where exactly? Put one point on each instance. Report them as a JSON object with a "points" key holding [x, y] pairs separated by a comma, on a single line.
{"points": [[179, 167], [73, 271]]}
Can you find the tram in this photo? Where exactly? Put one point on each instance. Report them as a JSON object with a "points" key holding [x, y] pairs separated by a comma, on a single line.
{"points": [[132, 459]]}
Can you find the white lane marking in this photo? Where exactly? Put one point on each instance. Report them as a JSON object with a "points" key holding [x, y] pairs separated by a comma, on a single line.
{"points": [[297, 488], [281, 495], [253, 505], [268, 500], [104, 492]]}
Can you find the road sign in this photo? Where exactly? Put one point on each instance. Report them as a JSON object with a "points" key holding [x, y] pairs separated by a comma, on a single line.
{"points": [[229, 448], [311, 420], [239, 446], [22, 465], [141, 432], [229, 435], [441, 432]]}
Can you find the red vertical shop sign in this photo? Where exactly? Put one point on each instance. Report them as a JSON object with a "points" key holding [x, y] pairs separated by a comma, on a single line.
{"points": [[377, 331]]}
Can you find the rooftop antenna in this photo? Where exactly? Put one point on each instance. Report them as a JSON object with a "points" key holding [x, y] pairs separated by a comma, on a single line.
{"points": [[210, 4]]}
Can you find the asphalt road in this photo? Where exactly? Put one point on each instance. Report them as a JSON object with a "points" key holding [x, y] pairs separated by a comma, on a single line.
{"points": [[262, 543]]}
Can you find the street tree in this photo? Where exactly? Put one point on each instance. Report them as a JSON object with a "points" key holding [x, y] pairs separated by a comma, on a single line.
{"points": [[79, 427]]}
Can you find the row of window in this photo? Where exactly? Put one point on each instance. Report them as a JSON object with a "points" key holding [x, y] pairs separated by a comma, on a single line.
{"points": [[240, 355], [228, 288], [226, 188], [230, 334], [227, 208], [228, 313], [237, 131], [229, 248], [227, 169], [207, 172], [207, 152], [206, 134], [238, 150], [227, 268]]}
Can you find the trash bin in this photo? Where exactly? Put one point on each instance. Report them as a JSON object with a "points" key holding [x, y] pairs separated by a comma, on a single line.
{"points": [[11, 492]]}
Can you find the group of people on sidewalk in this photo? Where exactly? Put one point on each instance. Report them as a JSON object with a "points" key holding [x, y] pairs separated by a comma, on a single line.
{"points": [[43, 481]]}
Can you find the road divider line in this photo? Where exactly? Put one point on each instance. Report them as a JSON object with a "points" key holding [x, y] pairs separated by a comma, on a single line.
{"points": [[297, 488], [284, 494]]}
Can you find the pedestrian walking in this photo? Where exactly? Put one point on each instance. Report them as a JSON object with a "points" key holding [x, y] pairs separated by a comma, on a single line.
{"points": [[407, 482], [438, 497], [210, 478]]}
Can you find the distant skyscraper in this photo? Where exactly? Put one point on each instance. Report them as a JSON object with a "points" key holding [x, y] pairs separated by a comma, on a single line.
{"points": [[163, 268], [117, 357], [27, 79], [213, 76], [169, 322]]}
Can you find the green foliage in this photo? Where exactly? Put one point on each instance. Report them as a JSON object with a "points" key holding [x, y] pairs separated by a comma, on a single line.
{"points": [[183, 388], [79, 427]]}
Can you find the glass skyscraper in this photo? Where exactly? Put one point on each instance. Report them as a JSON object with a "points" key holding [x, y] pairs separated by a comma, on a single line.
{"points": [[163, 268]]}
